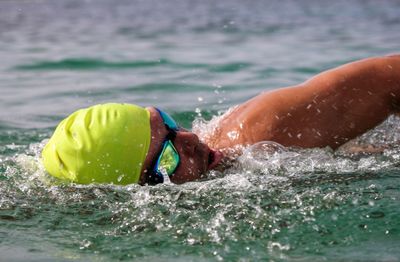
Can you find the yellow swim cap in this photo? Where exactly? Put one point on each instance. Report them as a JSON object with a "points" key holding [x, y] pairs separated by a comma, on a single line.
{"points": [[101, 144]]}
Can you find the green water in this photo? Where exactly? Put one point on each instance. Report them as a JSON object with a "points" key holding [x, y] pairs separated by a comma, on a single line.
{"points": [[282, 209], [194, 59]]}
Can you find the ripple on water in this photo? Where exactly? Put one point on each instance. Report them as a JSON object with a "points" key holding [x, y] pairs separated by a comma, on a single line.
{"points": [[275, 203]]}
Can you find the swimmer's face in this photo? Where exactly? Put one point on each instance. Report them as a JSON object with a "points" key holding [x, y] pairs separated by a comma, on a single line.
{"points": [[196, 158]]}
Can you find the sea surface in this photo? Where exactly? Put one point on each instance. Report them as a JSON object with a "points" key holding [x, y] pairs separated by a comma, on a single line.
{"points": [[194, 59]]}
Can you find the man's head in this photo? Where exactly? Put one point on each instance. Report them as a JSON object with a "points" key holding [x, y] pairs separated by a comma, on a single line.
{"points": [[122, 144], [100, 144]]}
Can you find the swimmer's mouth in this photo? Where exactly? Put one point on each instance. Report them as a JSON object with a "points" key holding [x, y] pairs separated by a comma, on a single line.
{"points": [[214, 157], [211, 157]]}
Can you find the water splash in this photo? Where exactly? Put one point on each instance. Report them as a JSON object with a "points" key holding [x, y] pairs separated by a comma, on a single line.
{"points": [[275, 203]]}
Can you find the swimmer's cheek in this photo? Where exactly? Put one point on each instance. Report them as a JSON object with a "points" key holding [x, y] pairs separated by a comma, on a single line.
{"points": [[181, 176]]}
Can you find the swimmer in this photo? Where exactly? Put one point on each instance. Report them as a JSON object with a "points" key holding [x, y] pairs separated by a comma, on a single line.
{"points": [[125, 144]]}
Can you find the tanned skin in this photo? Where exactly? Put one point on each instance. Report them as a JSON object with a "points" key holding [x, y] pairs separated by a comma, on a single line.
{"points": [[327, 110]]}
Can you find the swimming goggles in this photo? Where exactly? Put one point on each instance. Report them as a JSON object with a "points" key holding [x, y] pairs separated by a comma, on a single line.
{"points": [[169, 159]]}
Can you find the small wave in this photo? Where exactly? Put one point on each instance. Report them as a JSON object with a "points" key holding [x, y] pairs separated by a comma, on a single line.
{"points": [[230, 67], [95, 64], [319, 197], [88, 64], [306, 70]]}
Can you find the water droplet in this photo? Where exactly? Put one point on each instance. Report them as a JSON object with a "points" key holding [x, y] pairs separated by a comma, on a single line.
{"points": [[191, 241], [233, 135], [216, 85], [85, 244]]}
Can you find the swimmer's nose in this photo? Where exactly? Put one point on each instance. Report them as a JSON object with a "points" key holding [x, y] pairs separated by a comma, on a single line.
{"points": [[188, 141]]}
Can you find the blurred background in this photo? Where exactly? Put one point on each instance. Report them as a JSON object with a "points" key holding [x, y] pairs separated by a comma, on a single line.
{"points": [[181, 55]]}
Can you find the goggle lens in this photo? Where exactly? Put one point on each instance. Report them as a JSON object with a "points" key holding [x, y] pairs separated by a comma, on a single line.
{"points": [[168, 160]]}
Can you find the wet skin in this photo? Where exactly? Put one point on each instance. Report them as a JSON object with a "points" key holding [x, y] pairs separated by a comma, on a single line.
{"points": [[328, 110], [196, 158]]}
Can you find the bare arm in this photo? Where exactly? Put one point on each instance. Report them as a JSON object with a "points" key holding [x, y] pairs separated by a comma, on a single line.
{"points": [[327, 110]]}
